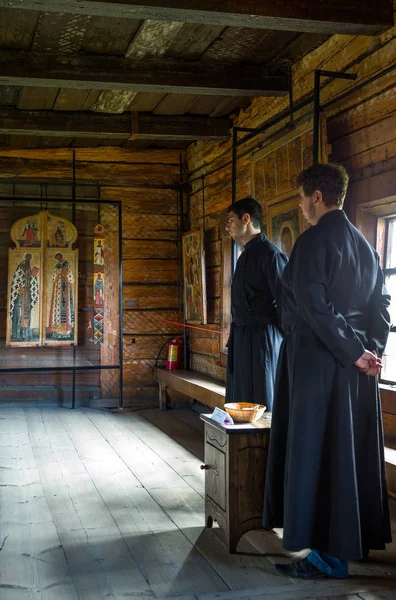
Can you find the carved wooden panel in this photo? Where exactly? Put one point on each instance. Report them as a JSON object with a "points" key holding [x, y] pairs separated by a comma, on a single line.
{"points": [[215, 482]]}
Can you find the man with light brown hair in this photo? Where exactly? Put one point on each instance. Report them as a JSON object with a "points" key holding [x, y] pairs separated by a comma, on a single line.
{"points": [[325, 478]]}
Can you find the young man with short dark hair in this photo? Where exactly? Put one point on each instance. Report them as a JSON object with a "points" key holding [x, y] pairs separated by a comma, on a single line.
{"points": [[325, 477], [255, 338]]}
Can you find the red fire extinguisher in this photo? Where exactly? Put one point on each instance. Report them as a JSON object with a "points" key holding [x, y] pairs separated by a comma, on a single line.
{"points": [[173, 356]]}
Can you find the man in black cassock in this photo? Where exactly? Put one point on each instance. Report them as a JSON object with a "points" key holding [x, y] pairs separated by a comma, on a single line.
{"points": [[325, 477], [255, 338]]}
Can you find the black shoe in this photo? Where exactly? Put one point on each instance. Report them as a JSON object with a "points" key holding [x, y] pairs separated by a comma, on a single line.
{"points": [[302, 569]]}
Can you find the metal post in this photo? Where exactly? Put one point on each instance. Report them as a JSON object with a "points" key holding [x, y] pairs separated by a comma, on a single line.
{"points": [[181, 194], [179, 228], [181, 296], [316, 124], [76, 316], [234, 163], [120, 322], [316, 111], [187, 221], [291, 101], [74, 379]]}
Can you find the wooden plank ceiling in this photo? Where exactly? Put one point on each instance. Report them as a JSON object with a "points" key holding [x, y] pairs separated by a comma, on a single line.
{"points": [[85, 77]]}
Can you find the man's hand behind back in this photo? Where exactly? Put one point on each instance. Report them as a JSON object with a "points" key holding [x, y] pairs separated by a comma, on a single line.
{"points": [[369, 363]]}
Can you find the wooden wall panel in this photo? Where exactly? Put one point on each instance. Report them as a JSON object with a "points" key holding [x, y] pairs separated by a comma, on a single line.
{"points": [[103, 154], [141, 395], [370, 161], [369, 155], [138, 201], [144, 249], [214, 311], [137, 322], [208, 366], [139, 372], [367, 138], [46, 379], [213, 253], [367, 223], [206, 345], [123, 174], [145, 346], [149, 227], [150, 270], [150, 296], [366, 113], [214, 281]]}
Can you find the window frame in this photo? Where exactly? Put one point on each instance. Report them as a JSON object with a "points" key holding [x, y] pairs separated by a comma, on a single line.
{"points": [[384, 224]]}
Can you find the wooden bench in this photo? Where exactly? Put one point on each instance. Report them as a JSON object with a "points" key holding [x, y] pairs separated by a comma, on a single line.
{"points": [[206, 390]]}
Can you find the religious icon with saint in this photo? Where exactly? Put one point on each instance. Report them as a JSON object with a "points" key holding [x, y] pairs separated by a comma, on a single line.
{"points": [[60, 232], [194, 276], [99, 251], [60, 297], [42, 282], [23, 313], [99, 287], [30, 234]]}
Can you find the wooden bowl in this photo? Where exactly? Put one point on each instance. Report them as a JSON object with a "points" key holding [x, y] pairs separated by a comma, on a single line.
{"points": [[244, 412]]}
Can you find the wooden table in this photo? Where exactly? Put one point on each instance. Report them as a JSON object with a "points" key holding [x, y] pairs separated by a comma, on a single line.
{"points": [[235, 466]]}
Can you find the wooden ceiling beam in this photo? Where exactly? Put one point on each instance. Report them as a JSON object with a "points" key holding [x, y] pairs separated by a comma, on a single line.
{"points": [[356, 17], [166, 76], [144, 126]]}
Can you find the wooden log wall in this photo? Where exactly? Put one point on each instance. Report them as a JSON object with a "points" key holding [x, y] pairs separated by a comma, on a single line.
{"points": [[151, 273], [361, 130], [151, 280]]}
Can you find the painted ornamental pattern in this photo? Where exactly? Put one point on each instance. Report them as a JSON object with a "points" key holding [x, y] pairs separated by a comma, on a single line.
{"points": [[98, 291]]}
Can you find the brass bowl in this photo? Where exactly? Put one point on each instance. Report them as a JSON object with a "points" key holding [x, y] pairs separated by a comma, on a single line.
{"points": [[244, 412]]}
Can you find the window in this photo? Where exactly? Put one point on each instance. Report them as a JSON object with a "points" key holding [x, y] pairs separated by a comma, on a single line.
{"points": [[388, 374]]}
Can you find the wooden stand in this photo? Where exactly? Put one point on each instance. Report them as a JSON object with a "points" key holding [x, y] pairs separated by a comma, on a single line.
{"points": [[235, 466]]}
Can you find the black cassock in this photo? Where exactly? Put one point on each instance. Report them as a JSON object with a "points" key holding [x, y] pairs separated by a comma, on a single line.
{"points": [[255, 339], [325, 478]]}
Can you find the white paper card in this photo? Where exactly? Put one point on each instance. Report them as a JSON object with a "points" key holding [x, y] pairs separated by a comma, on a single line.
{"points": [[221, 416]]}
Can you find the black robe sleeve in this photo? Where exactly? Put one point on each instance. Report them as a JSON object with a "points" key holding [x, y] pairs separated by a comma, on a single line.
{"points": [[379, 316], [274, 274], [312, 265]]}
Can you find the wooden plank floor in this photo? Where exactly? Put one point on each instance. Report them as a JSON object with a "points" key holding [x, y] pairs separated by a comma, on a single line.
{"points": [[97, 504]]}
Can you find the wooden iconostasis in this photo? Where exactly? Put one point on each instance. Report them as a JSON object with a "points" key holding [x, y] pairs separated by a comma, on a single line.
{"points": [[42, 299], [62, 315]]}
